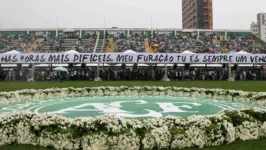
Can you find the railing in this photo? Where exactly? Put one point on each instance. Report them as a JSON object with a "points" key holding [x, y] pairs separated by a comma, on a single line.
{"points": [[97, 41], [103, 43], [119, 29], [258, 40]]}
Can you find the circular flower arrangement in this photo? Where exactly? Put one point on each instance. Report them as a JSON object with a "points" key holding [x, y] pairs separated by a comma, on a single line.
{"points": [[112, 132]]}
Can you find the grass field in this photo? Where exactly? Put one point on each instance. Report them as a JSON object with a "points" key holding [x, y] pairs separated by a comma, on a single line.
{"points": [[239, 145], [255, 86], [240, 85]]}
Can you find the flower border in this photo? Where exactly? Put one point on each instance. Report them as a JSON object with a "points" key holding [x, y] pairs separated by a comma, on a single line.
{"points": [[26, 95], [112, 132]]}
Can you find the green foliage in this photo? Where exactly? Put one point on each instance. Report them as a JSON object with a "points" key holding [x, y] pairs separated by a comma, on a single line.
{"points": [[260, 116], [88, 89], [249, 95], [209, 92], [260, 98], [175, 131], [238, 145], [236, 118], [235, 94], [141, 132], [28, 93], [76, 132], [70, 90], [212, 128]]}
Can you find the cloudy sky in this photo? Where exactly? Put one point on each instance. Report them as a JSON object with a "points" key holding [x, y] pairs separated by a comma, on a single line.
{"points": [[228, 14]]}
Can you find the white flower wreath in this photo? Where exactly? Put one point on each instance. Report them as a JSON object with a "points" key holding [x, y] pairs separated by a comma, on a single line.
{"points": [[111, 132]]}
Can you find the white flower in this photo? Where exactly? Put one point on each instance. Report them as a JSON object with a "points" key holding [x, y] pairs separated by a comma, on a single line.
{"points": [[116, 133]]}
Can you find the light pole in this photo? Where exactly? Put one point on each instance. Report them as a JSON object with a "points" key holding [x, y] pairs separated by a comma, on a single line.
{"points": [[56, 27]]}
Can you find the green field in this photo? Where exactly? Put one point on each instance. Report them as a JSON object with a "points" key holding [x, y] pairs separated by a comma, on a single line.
{"points": [[255, 86], [239, 145], [258, 86]]}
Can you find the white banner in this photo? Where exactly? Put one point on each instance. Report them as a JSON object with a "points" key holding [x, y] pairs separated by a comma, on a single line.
{"points": [[170, 58]]}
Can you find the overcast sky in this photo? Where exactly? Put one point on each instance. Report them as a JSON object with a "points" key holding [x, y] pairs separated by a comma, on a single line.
{"points": [[228, 14]]}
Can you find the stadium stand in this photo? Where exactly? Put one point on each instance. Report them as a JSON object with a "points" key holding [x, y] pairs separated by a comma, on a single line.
{"points": [[139, 40]]}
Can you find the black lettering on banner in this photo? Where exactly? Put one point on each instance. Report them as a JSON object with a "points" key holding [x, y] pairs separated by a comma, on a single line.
{"points": [[178, 58], [128, 58], [42, 58], [225, 59], [145, 58], [22, 58], [156, 58], [52, 58], [119, 58], [205, 59], [104, 57], [76, 57], [212, 59], [166, 58], [140, 57], [27, 59], [160, 59], [241, 59], [252, 59], [108, 58], [262, 59], [230, 58], [150, 58], [95, 58], [66, 59], [131, 58], [62, 57], [14, 58], [31, 58], [124, 58], [217, 59], [92, 55], [85, 57], [191, 58], [58, 58], [194, 58], [171, 59], [100, 58], [184, 58], [80, 56], [36, 59], [258, 59], [6, 58]]}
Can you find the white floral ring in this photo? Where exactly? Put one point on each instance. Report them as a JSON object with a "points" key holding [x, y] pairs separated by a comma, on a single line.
{"points": [[111, 132]]}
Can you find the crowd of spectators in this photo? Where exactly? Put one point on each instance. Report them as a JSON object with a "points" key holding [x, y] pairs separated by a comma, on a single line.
{"points": [[204, 43], [145, 74], [163, 42], [19, 42], [65, 41], [62, 44], [125, 42]]}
